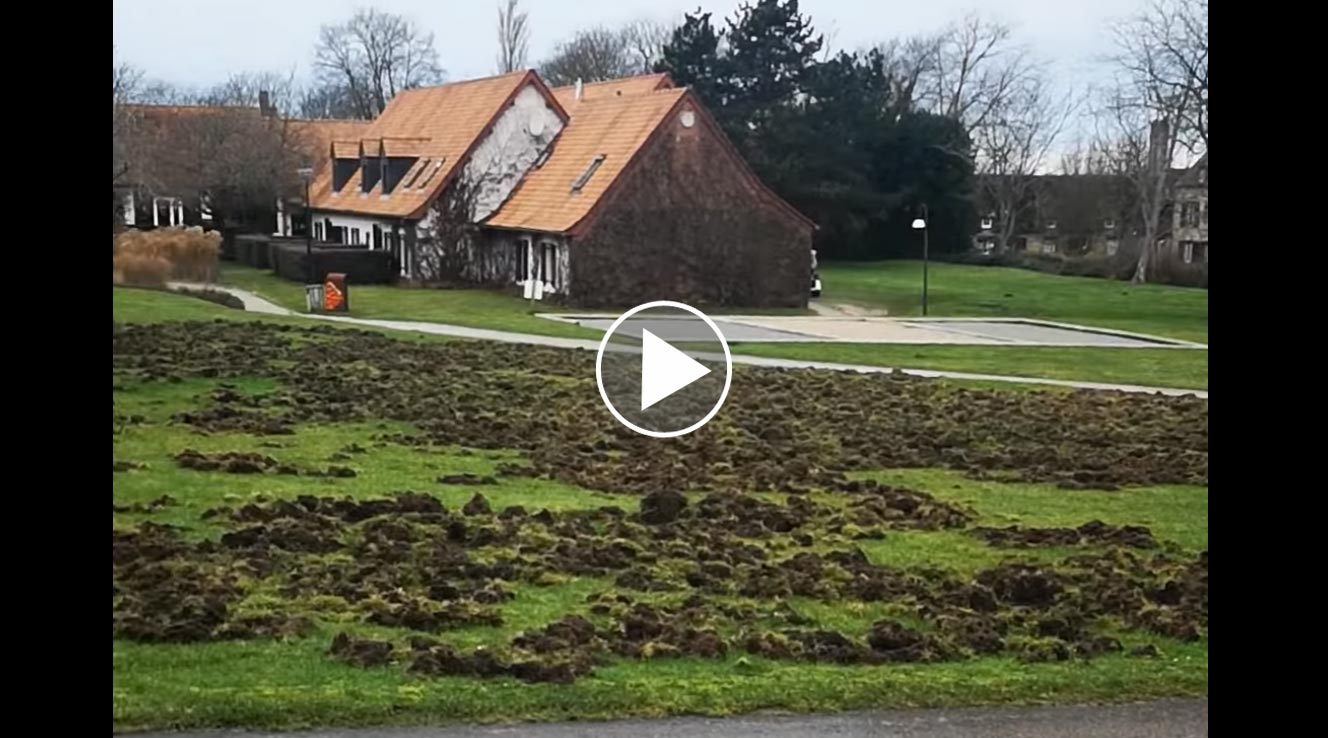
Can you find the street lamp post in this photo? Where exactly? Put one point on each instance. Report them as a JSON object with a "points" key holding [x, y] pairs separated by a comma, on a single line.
{"points": [[307, 174], [920, 224]]}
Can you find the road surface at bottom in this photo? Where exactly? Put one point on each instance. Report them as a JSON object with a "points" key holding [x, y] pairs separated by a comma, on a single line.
{"points": [[1164, 719]]}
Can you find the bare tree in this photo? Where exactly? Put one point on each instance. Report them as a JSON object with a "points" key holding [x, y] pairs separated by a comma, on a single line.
{"points": [[1158, 102], [327, 101], [513, 37], [908, 63], [976, 66], [1134, 145], [125, 81], [1163, 55], [1013, 148], [644, 39], [244, 89], [965, 71], [592, 55], [373, 56]]}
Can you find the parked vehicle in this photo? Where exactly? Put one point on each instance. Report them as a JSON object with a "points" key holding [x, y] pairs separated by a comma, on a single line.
{"points": [[816, 277]]}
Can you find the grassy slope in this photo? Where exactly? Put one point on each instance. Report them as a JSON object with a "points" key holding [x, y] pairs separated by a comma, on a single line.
{"points": [[293, 683]]}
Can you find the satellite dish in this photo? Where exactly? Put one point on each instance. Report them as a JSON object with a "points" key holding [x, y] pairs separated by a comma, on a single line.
{"points": [[537, 126]]}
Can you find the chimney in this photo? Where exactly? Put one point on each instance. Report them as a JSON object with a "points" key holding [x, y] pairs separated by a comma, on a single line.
{"points": [[1159, 132], [578, 89], [265, 104]]}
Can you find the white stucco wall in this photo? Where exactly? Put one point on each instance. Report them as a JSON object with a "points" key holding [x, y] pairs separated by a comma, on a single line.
{"points": [[523, 130]]}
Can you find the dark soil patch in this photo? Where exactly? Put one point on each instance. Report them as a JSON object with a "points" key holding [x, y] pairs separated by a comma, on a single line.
{"points": [[700, 578], [1093, 533], [780, 430]]}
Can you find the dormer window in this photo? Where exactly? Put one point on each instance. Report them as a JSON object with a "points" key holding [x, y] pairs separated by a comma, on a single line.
{"points": [[987, 222], [395, 168], [371, 171], [342, 171]]}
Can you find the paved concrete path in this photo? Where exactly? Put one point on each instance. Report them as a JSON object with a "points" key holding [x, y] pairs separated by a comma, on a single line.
{"points": [[254, 303], [1166, 719]]}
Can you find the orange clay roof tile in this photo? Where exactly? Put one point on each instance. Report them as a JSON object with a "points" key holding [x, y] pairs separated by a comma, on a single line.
{"points": [[447, 121], [615, 127], [640, 85]]}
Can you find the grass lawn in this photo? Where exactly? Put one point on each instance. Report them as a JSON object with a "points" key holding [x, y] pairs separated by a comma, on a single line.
{"points": [[292, 681], [1181, 368], [956, 290], [473, 308]]}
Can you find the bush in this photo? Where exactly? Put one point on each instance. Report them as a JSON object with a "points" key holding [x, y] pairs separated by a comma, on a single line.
{"points": [[218, 296], [140, 270], [1172, 270], [190, 254], [1168, 270]]}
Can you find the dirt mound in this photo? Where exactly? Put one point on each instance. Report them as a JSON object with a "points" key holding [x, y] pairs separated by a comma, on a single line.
{"points": [[780, 431], [1093, 533], [717, 532]]}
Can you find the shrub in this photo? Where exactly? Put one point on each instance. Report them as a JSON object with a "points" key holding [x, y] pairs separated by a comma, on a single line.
{"points": [[140, 270], [190, 254], [217, 296], [1167, 270]]}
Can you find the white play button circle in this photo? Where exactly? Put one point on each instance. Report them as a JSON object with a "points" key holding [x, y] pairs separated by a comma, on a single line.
{"points": [[665, 369], [657, 369]]}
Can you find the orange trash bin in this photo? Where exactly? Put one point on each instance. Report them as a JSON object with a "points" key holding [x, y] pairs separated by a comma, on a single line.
{"points": [[336, 295]]}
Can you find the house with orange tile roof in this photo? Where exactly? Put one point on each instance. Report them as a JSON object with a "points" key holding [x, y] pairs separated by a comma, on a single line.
{"points": [[602, 194], [165, 149]]}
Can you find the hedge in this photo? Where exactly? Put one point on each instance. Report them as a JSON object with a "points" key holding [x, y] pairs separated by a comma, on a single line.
{"points": [[360, 265], [1166, 269]]}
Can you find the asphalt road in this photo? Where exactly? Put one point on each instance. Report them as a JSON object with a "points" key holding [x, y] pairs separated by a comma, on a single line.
{"points": [[1165, 719]]}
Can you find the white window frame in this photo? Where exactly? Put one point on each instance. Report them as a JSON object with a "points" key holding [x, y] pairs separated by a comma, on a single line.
{"points": [[523, 259], [987, 223], [1187, 251]]}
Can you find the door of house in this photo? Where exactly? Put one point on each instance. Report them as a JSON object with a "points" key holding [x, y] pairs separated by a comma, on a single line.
{"points": [[548, 265]]}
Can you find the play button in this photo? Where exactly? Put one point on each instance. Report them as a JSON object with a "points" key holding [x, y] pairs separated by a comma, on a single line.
{"points": [[663, 369]]}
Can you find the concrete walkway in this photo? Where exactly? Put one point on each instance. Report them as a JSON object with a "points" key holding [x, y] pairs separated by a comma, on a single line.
{"points": [[1168, 718], [256, 304]]}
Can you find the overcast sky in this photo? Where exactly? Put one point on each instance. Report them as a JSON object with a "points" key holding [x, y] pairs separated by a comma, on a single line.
{"points": [[200, 42]]}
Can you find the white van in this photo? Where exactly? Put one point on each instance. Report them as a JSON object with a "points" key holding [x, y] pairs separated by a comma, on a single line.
{"points": [[816, 277]]}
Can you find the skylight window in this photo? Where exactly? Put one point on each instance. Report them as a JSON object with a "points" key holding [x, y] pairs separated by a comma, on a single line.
{"points": [[586, 175]]}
